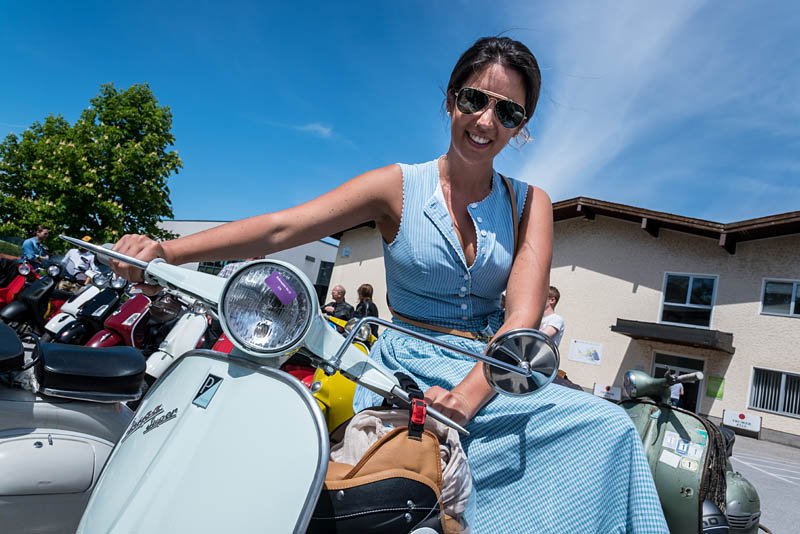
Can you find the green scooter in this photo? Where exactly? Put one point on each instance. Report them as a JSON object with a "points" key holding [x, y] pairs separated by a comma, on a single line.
{"points": [[690, 460]]}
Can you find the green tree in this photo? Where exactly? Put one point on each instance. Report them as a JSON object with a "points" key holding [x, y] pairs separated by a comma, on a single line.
{"points": [[105, 176]]}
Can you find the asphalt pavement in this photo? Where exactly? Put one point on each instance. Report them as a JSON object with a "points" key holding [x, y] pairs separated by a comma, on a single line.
{"points": [[774, 470]]}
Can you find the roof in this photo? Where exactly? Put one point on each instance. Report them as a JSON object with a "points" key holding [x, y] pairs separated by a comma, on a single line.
{"points": [[652, 221], [678, 335]]}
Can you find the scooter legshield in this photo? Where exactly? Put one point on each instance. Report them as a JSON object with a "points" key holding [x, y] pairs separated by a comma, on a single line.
{"points": [[219, 444]]}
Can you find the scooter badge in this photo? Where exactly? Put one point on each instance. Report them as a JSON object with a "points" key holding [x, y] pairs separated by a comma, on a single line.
{"points": [[207, 391]]}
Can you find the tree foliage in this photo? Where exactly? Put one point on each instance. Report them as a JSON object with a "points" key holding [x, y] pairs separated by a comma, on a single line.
{"points": [[105, 176]]}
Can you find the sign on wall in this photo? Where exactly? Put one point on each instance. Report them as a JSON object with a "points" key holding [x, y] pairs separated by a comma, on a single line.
{"points": [[586, 352], [742, 420], [715, 386]]}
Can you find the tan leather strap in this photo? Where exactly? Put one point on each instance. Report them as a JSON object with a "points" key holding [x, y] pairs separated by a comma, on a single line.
{"points": [[514, 221], [442, 329]]}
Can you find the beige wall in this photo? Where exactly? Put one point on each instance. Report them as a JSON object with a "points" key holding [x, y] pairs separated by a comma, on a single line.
{"points": [[362, 264], [608, 269]]}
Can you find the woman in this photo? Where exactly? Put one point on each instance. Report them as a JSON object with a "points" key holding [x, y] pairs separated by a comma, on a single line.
{"points": [[365, 306], [557, 461]]}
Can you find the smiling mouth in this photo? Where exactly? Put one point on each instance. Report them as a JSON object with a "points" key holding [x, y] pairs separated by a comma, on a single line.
{"points": [[478, 140]]}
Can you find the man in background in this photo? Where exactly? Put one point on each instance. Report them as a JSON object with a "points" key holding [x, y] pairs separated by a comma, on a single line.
{"points": [[33, 250], [338, 307], [552, 323]]}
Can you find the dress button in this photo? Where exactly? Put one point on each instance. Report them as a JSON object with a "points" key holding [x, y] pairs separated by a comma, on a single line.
{"points": [[473, 205], [466, 277], [463, 289], [462, 295], [480, 219], [464, 317], [483, 233], [463, 306]]}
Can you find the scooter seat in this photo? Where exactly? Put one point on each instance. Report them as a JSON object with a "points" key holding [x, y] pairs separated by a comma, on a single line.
{"points": [[117, 371], [12, 355]]}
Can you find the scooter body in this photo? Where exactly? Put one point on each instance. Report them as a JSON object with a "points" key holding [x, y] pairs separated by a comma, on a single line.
{"points": [[186, 335], [69, 310], [125, 325], [677, 444], [30, 306], [184, 447], [52, 449]]}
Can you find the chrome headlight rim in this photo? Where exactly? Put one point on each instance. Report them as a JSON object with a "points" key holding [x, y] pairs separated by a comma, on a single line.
{"points": [[100, 280], [24, 269], [363, 332], [118, 282], [54, 270], [285, 348]]}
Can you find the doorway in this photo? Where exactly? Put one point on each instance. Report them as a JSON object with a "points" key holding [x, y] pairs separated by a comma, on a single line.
{"points": [[682, 365]]}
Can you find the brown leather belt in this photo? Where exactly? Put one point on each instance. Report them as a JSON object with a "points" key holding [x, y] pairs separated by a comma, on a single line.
{"points": [[443, 329]]}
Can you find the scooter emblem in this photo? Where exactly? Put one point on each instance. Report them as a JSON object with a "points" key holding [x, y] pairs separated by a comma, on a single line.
{"points": [[207, 391]]}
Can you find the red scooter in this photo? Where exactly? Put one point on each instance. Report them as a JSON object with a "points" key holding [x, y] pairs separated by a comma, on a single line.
{"points": [[13, 276]]}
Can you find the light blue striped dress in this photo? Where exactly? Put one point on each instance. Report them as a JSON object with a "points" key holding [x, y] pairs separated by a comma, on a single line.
{"points": [[558, 461]]}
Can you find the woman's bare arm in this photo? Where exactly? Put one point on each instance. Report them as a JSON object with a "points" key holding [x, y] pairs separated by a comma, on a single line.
{"points": [[373, 196]]}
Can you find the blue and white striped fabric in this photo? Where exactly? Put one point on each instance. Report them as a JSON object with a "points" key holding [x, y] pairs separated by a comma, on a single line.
{"points": [[557, 461]]}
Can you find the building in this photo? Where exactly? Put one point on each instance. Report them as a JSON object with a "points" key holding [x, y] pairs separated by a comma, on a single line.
{"points": [[314, 259], [649, 290]]}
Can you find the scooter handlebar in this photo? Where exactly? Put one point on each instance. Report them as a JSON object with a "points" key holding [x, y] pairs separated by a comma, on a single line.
{"points": [[690, 377]]}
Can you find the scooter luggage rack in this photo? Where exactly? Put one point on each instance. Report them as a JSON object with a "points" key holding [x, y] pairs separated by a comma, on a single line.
{"points": [[521, 370]]}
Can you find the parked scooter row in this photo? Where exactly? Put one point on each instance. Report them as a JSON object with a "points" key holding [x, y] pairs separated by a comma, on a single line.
{"points": [[36, 301]]}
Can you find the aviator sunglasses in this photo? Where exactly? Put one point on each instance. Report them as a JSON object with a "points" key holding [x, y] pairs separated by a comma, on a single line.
{"points": [[470, 100]]}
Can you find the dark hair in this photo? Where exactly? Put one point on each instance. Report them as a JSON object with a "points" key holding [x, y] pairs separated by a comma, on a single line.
{"points": [[39, 228], [364, 291], [503, 51]]}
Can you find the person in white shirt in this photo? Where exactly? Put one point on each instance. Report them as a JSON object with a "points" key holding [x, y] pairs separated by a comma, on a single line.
{"points": [[79, 263], [675, 393], [552, 323]]}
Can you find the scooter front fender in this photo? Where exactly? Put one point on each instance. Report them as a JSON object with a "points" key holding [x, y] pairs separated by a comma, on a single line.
{"points": [[202, 442], [184, 336], [15, 312], [105, 338], [74, 333]]}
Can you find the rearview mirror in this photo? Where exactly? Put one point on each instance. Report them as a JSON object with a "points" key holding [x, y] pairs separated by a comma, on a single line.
{"points": [[528, 349]]}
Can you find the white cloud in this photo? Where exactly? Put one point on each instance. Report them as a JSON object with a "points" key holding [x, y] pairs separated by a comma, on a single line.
{"points": [[622, 74], [315, 128]]}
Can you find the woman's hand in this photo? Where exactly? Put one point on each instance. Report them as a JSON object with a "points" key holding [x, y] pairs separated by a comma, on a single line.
{"points": [[140, 247], [452, 404]]}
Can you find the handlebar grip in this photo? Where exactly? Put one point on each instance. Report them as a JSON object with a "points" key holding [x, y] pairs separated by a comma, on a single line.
{"points": [[690, 377]]}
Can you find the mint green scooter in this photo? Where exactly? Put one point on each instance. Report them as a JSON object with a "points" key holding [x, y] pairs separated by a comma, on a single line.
{"points": [[690, 460]]}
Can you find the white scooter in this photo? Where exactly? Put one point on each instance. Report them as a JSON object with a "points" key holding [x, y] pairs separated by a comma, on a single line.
{"points": [[60, 416], [186, 335], [228, 443]]}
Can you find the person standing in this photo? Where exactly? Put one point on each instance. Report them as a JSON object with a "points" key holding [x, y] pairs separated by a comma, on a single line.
{"points": [[365, 306], [33, 250], [675, 394], [552, 323], [338, 307], [79, 263]]}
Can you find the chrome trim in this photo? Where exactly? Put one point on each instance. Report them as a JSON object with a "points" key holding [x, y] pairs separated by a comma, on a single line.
{"points": [[91, 396]]}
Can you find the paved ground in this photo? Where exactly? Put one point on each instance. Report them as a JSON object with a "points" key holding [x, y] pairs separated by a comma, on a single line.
{"points": [[775, 472]]}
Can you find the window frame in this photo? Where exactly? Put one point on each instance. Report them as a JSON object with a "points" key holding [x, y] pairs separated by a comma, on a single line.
{"points": [[691, 276], [781, 393], [795, 292]]}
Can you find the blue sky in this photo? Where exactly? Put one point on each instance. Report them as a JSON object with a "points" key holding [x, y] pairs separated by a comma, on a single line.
{"points": [[686, 107]]}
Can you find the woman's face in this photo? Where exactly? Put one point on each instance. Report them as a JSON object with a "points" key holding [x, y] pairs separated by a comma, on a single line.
{"points": [[479, 137]]}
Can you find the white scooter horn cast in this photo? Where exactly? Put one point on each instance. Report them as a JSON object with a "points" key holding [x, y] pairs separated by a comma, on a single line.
{"points": [[229, 443]]}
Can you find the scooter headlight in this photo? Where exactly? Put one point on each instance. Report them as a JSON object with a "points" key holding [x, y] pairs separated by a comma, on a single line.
{"points": [[118, 283], [24, 269], [267, 307], [100, 280], [54, 270], [363, 332]]}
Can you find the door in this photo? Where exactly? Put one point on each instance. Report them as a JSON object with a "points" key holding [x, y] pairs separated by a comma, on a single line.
{"points": [[682, 365]]}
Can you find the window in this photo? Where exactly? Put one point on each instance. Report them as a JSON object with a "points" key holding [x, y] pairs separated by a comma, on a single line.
{"points": [[781, 297], [688, 299], [775, 391]]}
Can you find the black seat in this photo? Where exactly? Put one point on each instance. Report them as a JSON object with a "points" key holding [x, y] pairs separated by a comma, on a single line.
{"points": [[12, 355], [114, 370], [729, 436]]}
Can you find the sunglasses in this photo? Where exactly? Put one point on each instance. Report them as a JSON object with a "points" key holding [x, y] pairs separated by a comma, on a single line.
{"points": [[470, 100]]}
